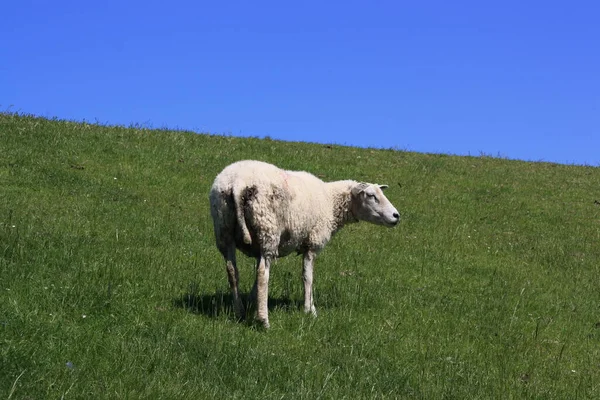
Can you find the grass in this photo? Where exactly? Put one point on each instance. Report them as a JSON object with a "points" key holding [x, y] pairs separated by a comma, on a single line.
{"points": [[111, 286]]}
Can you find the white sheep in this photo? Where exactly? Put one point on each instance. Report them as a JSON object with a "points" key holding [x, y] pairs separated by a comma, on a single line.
{"points": [[266, 212]]}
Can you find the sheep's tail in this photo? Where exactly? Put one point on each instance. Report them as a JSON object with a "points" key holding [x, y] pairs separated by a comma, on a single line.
{"points": [[238, 199]]}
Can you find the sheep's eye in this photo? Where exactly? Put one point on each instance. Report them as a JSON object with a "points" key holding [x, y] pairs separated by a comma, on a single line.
{"points": [[372, 196]]}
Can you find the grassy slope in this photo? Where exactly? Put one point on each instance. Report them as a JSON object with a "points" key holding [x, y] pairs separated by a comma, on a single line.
{"points": [[111, 287]]}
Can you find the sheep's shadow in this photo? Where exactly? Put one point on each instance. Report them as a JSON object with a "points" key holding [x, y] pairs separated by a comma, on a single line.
{"points": [[221, 303]]}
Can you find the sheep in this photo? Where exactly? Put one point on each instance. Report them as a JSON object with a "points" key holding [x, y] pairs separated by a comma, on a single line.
{"points": [[266, 213]]}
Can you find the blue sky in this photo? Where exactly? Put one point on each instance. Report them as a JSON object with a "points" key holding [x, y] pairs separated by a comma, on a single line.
{"points": [[514, 79]]}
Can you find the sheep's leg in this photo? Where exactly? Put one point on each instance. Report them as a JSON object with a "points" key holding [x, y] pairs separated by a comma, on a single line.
{"points": [[307, 277], [262, 290], [234, 278], [252, 297]]}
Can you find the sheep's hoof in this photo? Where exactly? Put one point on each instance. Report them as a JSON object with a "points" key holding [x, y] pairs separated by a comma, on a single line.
{"points": [[264, 323], [240, 313], [312, 310]]}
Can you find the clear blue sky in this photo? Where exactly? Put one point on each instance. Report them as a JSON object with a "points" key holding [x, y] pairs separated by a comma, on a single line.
{"points": [[519, 79]]}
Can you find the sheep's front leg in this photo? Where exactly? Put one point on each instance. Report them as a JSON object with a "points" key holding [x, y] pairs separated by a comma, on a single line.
{"points": [[307, 277], [262, 290]]}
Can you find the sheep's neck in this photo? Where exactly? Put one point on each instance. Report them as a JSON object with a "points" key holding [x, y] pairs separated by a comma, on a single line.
{"points": [[342, 205]]}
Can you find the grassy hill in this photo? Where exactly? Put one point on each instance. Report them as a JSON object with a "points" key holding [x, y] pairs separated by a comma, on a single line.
{"points": [[111, 286]]}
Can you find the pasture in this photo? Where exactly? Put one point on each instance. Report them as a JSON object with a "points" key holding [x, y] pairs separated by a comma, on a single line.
{"points": [[111, 285]]}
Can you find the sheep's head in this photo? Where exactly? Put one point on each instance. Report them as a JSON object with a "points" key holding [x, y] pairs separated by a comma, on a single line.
{"points": [[370, 204]]}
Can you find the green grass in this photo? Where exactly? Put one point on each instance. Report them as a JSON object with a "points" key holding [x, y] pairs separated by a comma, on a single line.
{"points": [[111, 286]]}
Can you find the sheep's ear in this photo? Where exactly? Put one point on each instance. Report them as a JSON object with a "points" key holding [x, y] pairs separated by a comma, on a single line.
{"points": [[382, 187], [359, 188]]}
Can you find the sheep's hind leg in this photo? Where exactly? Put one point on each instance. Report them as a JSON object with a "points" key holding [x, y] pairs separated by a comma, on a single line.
{"points": [[307, 278], [234, 278], [262, 290]]}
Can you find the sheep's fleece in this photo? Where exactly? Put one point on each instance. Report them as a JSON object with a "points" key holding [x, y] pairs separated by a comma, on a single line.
{"points": [[267, 212]]}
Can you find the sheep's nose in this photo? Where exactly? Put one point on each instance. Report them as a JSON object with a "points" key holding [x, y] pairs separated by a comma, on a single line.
{"points": [[396, 215]]}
